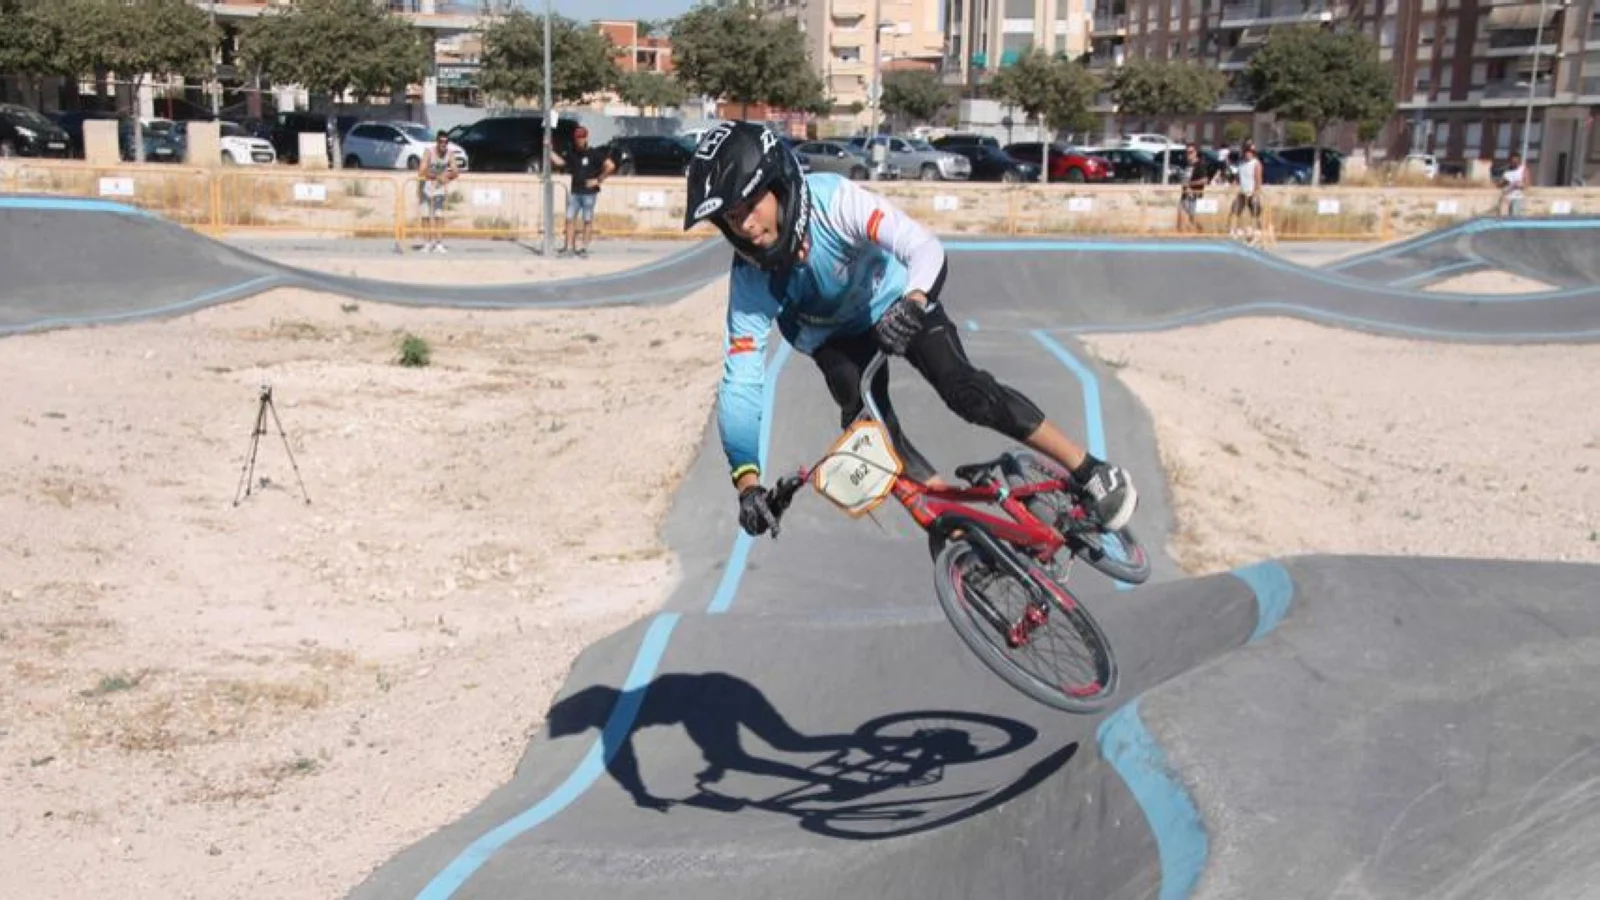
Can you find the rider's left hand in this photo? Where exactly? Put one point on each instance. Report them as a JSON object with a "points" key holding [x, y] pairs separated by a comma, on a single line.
{"points": [[900, 323]]}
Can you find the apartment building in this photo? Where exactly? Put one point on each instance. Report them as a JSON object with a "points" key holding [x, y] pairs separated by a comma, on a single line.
{"points": [[637, 52], [841, 36], [1469, 73], [1003, 30]]}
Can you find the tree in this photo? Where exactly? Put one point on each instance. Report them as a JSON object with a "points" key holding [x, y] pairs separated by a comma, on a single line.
{"points": [[1297, 133], [1322, 77], [650, 90], [1162, 90], [913, 96], [1057, 92], [582, 60], [33, 37], [1235, 132], [734, 53]]}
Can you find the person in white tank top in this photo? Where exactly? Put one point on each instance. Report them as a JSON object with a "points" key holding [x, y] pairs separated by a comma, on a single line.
{"points": [[1249, 196]]}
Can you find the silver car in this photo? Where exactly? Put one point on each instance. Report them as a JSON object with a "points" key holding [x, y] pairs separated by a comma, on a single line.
{"points": [[844, 159], [916, 157], [392, 145]]}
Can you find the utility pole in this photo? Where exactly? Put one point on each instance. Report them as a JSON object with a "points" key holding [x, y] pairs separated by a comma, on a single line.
{"points": [[549, 109], [875, 90], [216, 83], [1533, 86]]}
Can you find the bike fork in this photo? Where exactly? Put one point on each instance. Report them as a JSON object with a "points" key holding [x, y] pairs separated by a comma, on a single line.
{"points": [[1016, 633]]}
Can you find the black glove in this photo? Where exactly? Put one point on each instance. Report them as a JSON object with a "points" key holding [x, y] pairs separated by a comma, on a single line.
{"points": [[900, 323], [755, 512]]}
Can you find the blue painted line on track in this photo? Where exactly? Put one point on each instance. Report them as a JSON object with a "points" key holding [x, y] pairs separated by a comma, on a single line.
{"points": [[72, 204], [1181, 841], [616, 730], [731, 575], [1475, 226], [1094, 423], [1274, 592], [972, 325]]}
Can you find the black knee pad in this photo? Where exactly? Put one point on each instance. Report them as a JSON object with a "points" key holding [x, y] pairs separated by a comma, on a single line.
{"points": [[976, 397]]}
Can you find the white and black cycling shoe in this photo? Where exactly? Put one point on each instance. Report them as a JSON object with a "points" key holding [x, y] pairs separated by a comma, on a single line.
{"points": [[1112, 493]]}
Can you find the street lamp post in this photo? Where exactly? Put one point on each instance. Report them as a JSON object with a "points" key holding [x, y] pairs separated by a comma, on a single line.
{"points": [[875, 90], [216, 83], [1533, 87], [549, 185]]}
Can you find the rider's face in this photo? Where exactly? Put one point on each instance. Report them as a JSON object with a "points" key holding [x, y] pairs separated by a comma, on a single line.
{"points": [[756, 220]]}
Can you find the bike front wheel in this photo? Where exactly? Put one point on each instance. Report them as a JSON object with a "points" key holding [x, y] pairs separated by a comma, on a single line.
{"points": [[1055, 653]]}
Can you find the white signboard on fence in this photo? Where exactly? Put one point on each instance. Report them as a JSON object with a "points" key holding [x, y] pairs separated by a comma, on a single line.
{"points": [[487, 197], [946, 202], [1327, 207], [1206, 206], [1080, 204], [652, 200], [1445, 208], [116, 187], [306, 192], [1560, 207]]}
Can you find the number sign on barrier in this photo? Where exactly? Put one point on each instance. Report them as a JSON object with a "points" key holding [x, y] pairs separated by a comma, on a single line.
{"points": [[116, 187], [306, 192]]}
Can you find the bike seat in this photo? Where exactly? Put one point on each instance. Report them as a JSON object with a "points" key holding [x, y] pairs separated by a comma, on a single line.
{"points": [[972, 473]]}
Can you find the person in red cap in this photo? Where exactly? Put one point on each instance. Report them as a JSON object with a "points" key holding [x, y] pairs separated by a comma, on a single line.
{"points": [[589, 167]]}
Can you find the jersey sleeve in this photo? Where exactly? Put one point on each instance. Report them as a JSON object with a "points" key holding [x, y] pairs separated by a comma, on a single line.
{"points": [[751, 310], [863, 215]]}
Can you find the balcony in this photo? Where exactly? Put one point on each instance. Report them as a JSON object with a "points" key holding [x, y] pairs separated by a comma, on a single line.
{"points": [[1109, 25], [1235, 99], [847, 40], [1274, 12], [847, 9], [1514, 89], [1237, 59], [1522, 42], [1591, 87], [851, 67], [1105, 60]]}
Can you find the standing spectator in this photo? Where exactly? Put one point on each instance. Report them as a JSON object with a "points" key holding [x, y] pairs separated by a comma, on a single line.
{"points": [[589, 167], [1195, 176], [434, 174], [1511, 183], [1249, 195]]}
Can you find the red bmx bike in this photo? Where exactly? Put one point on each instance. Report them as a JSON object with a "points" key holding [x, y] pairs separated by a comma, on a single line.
{"points": [[1001, 573]]}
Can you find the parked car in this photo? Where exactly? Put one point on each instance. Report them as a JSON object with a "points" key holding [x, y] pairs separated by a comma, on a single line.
{"points": [[1152, 142], [1332, 160], [393, 145], [1425, 163], [653, 154], [1142, 166], [993, 164], [516, 143], [238, 148], [1066, 163], [24, 132], [1277, 170], [159, 144], [288, 127], [914, 155], [962, 139], [839, 158]]}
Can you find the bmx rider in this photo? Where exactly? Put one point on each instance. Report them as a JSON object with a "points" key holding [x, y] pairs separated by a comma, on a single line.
{"points": [[843, 272]]}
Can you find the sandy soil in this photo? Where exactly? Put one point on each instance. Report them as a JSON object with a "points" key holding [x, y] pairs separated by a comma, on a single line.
{"points": [[1281, 437], [267, 700], [1490, 281]]}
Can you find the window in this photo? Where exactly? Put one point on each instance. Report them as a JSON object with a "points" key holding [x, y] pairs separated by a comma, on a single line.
{"points": [[1474, 140], [1502, 137], [1441, 138], [1019, 9], [1447, 77], [373, 132], [1480, 75]]}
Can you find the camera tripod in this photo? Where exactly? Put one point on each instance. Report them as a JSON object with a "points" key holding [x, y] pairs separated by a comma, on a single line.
{"points": [[248, 473]]}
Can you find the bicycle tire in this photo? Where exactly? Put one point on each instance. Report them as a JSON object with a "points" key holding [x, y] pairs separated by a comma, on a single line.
{"points": [[1087, 545], [981, 639]]}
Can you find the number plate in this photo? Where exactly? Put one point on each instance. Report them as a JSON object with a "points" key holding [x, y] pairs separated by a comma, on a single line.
{"points": [[860, 470]]}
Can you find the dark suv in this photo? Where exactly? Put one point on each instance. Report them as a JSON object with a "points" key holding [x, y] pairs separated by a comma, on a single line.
{"points": [[512, 143], [24, 132]]}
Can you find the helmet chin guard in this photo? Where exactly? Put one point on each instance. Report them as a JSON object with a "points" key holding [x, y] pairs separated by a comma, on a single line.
{"points": [[736, 162]]}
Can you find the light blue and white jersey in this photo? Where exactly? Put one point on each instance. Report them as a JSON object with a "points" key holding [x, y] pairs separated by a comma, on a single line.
{"points": [[864, 254]]}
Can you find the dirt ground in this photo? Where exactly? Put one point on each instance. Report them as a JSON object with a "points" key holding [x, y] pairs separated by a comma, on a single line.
{"points": [[205, 700], [1282, 437]]}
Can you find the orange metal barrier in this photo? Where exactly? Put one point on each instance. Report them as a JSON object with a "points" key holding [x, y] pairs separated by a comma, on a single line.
{"points": [[179, 193], [323, 202]]}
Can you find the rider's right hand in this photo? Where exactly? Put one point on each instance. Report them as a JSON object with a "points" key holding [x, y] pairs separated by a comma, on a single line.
{"points": [[755, 511]]}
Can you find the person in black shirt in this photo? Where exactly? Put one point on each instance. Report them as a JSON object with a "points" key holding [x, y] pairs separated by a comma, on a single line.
{"points": [[589, 167]]}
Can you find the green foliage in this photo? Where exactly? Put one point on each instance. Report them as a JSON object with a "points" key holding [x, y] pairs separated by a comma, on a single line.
{"points": [[1058, 92], [1368, 130], [32, 39], [333, 46], [582, 60], [735, 53], [414, 351], [1159, 89], [1322, 77], [1298, 133], [650, 90], [1235, 132], [911, 96]]}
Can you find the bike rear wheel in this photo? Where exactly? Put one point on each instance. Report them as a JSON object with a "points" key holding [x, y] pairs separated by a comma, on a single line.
{"points": [[1116, 554], [972, 590]]}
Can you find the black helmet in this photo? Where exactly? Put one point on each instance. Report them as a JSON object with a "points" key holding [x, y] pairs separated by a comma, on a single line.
{"points": [[736, 161]]}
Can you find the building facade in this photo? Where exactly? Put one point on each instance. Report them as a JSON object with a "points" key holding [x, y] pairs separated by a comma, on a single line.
{"points": [[1001, 31], [637, 52], [1469, 73], [842, 36]]}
